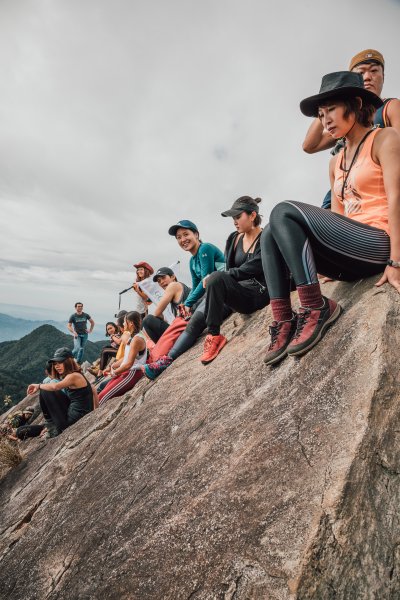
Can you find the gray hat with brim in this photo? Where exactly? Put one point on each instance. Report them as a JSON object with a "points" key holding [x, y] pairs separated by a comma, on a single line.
{"points": [[339, 86], [61, 354], [238, 207], [163, 271]]}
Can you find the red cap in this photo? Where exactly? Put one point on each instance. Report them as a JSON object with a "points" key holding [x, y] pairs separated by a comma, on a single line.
{"points": [[145, 265]]}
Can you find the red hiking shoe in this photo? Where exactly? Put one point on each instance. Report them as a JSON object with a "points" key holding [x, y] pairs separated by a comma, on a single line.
{"points": [[312, 324], [212, 347], [281, 333]]}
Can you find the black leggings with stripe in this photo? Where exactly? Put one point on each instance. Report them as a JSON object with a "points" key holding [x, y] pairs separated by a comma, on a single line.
{"points": [[304, 240]]}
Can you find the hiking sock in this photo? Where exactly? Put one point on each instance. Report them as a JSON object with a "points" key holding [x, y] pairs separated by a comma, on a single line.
{"points": [[310, 295], [214, 331], [281, 309]]}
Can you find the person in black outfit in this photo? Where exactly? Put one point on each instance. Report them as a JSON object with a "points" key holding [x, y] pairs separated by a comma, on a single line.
{"points": [[242, 286], [63, 408]]}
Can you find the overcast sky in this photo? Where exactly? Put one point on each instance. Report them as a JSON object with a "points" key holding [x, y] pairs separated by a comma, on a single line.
{"points": [[121, 117]]}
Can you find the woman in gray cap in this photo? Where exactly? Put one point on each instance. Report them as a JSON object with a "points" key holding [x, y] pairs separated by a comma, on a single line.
{"points": [[241, 287], [359, 238]]}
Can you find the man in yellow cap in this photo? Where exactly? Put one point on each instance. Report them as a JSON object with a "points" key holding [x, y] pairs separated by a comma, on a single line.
{"points": [[371, 64]]}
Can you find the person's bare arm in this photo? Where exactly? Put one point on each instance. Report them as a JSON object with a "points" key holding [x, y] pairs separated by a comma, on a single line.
{"points": [[169, 294], [92, 324], [72, 330], [70, 380], [386, 151], [336, 206], [137, 345], [317, 138], [393, 114], [144, 297], [95, 398]]}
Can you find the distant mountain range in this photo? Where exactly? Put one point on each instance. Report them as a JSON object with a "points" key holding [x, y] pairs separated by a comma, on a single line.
{"points": [[13, 328], [23, 361]]}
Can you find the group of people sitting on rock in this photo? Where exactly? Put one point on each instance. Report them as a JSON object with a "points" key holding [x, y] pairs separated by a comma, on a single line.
{"points": [[356, 237]]}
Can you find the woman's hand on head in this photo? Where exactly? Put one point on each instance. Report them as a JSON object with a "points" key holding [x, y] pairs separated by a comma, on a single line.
{"points": [[390, 275]]}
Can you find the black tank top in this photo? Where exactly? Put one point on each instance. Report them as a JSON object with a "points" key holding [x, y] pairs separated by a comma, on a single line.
{"points": [[82, 396], [240, 254], [185, 293]]}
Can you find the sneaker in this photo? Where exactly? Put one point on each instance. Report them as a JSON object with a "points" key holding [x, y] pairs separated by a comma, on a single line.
{"points": [[154, 369], [212, 347], [311, 326], [281, 333]]}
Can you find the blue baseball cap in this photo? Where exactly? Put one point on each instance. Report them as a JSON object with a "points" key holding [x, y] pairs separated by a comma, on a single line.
{"points": [[184, 224]]}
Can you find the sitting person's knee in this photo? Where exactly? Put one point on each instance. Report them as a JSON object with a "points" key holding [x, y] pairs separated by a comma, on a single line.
{"points": [[279, 212], [216, 277]]}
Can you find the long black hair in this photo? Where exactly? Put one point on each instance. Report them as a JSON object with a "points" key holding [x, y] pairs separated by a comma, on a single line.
{"points": [[134, 317], [114, 325]]}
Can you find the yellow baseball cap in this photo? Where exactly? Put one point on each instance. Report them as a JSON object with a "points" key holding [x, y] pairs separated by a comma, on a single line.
{"points": [[367, 56]]}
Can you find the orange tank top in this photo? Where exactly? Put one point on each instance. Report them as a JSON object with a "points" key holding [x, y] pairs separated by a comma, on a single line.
{"points": [[364, 195]]}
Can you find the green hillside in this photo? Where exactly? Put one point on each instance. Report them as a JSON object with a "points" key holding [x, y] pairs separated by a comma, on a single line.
{"points": [[23, 361]]}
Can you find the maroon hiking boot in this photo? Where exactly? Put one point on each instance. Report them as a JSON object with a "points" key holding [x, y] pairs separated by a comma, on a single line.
{"points": [[312, 324], [281, 333]]}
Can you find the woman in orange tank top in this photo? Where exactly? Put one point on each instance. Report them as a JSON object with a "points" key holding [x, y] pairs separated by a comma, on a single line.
{"points": [[359, 238]]}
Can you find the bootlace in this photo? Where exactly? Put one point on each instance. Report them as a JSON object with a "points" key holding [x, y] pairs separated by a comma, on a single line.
{"points": [[208, 342], [163, 361], [302, 317], [274, 332]]}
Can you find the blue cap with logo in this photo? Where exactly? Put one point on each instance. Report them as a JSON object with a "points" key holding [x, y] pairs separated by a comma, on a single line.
{"points": [[184, 224]]}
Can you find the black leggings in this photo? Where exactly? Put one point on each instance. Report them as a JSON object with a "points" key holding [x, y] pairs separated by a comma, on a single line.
{"points": [[106, 354], [304, 240], [193, 331], [224, 294], [28, 431], [154, 327]]}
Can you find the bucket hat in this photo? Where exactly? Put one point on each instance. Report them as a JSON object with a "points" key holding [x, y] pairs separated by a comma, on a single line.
{"points": [[338, 85], [144, 265]]}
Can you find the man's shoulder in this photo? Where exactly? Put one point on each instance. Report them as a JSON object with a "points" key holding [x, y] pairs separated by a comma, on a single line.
{"points": [[72, 318]]}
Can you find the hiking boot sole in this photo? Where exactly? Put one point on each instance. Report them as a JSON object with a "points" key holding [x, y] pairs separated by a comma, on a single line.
{"points": [[206, 362], [276, 359], [334, 316]]}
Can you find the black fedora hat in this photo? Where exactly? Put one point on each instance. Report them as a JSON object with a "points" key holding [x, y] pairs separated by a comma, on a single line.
{"points": [[339, 85]]}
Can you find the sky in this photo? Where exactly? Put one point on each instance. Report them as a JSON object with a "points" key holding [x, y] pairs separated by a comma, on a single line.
{"points": [[120, 117]]}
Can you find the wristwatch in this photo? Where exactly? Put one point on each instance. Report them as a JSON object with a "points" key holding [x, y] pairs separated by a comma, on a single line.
{"points": [[393, 263]]}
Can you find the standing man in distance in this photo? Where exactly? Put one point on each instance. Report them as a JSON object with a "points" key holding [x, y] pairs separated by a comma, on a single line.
{"points": [[371, 64], [77, 325]]}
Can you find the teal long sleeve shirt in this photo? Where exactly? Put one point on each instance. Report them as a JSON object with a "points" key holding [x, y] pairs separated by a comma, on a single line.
{"points": [[208, 259]]}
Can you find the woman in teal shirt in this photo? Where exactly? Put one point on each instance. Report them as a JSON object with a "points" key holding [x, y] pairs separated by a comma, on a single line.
{"points": [[206, 258]]}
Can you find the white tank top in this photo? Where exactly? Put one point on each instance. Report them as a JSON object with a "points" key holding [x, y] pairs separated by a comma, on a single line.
{"points": [[140, 359]]}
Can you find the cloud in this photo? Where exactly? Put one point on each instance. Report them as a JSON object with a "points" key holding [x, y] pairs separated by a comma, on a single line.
{"points": [[118, 119]]}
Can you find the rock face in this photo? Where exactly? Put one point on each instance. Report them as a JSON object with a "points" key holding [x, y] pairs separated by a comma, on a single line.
{"points": [[231, 481]]}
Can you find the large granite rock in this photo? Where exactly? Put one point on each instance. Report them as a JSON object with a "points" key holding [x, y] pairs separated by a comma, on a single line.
{"points": [[231, 481]]}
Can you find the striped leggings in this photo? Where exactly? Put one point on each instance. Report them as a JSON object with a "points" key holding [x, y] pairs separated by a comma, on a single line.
{"points": [[120, 385], [304, 240]]}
